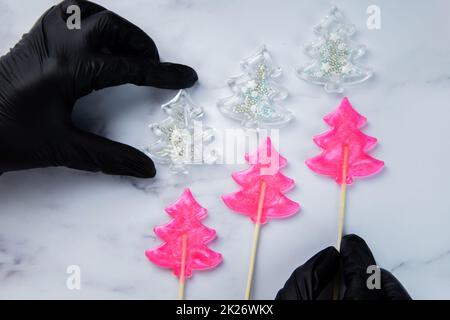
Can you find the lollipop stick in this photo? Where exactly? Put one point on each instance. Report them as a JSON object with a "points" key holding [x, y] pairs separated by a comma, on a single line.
{"points": [[251, 269], [341, 214], [183, 267], [343, 197]]}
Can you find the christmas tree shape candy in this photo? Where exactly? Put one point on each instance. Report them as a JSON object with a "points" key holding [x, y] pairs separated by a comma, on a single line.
{"points": [[276, 204], [333, 55], [345, 134], [185, 240], [181, 136], [256, 94], [261, 196], [345, 152]]}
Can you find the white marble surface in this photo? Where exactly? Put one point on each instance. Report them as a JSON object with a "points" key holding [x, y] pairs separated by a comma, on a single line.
{"points": [[52, 218]]}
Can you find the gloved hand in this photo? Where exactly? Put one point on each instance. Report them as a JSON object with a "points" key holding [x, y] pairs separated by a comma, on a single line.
{"points": [[316, 279], [51, 67]]}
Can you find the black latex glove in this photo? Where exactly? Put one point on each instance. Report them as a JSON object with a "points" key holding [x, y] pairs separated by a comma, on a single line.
{"points": [[51, 67], [316, 279]]}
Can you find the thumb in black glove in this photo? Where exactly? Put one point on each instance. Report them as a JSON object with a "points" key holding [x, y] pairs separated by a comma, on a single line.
{"points": [[51, 67], [318, 277]]}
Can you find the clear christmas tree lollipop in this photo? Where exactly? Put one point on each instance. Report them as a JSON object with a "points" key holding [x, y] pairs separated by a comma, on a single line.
{"points": [[256, 94], [181, 136], [334, 55]]}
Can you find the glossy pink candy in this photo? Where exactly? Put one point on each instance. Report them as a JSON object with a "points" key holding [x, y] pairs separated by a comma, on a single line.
{"points": [[346, 124], [265, 163], [186, 213]]}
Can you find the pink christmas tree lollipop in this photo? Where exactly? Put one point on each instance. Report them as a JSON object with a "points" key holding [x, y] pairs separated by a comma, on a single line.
{"points": [[345, 152], [185, 238], [261, 196]]}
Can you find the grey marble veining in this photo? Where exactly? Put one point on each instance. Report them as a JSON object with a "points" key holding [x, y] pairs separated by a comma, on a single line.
{"points": [[56, 217]]}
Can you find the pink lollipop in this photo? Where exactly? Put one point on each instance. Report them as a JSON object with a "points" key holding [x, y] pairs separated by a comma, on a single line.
{"points": [[344, 154], [261, 196], [185, 238]]}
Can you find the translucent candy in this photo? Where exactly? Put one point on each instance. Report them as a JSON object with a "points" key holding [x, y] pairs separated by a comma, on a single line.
{"points": [[265, 163], [181, 136], [334, 55], [186, 214], [256, 94], [345, 133]]}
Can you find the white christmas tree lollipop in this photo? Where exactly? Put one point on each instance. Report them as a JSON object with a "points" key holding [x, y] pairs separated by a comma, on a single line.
{"points": [[256, 94], [334, 55], [181, 136]]}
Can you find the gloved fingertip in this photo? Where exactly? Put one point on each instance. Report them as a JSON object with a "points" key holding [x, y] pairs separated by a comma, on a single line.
{"points": [[352, 244], [355, 250], [332, 251], [87, 8], [329, 255], [139, 166], [185, 75], [326, 262], [168, 75], [147, 171], [352, 239], [311, 280]]}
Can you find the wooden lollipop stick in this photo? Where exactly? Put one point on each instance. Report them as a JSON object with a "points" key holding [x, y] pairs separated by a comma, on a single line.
{"points": [[341, 214], [183, 267], [251, 268], [343, 197]]}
